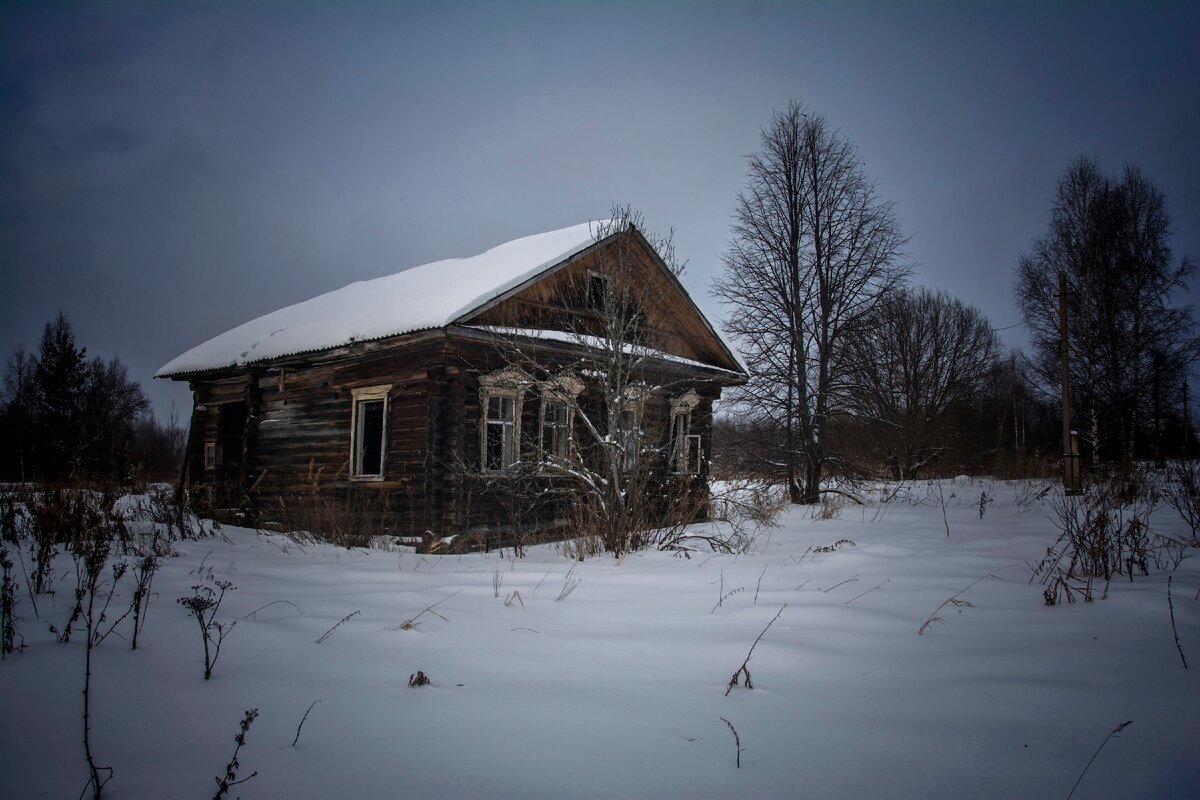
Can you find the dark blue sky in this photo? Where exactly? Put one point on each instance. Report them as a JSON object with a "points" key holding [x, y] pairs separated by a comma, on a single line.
{"points": [[168, 171]]}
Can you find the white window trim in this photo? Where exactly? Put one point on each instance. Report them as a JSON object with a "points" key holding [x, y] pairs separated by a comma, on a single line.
{"points": [[511, 383], [359, 395]]}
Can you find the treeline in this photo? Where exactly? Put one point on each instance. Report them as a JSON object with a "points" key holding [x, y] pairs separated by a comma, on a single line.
{"points": [[67, 417], [855, 373]]}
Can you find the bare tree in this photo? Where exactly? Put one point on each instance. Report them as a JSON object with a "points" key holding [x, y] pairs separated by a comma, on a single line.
{"points": [[1110, 237], [813, 251], [920, 358], [605, 394], [17, 414]]}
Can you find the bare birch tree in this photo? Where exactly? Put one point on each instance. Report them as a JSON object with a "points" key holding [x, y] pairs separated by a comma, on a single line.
{"points": [[813, 250], [1128, 341]]}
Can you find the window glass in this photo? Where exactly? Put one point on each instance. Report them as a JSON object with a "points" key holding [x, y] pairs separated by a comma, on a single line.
{"points": [[369, 439], [629, 436], [597, 291], [685, 445], [556, 429], [500, 448]]}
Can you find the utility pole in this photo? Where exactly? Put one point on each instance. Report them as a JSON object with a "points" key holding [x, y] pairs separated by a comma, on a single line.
{"points": [[1072, 484], [1159, 459], [1187, 436]]}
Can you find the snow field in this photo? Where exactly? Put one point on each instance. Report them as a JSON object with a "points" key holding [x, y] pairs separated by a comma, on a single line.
{"points": [[618, 689]]}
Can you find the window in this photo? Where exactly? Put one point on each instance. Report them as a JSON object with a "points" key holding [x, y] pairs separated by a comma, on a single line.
{"points": [[501, 395], [369, 432], [625, 430], [597, 292], [556, 430], [685, 445], [629, 436], [210, 455], [500, 436]]}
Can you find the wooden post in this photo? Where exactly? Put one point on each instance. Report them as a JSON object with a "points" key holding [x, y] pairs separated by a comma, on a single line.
{"points": [[1072, 484]]}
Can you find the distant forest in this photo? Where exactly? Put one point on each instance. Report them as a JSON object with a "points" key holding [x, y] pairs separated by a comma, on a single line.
{"points": [[67, 417]]}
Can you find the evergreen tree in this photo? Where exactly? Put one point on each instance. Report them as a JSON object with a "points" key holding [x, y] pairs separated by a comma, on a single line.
{"points": [[58, 399]]}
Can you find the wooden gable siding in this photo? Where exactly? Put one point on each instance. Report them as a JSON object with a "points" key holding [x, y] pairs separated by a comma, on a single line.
{"points": [[558, 302]]}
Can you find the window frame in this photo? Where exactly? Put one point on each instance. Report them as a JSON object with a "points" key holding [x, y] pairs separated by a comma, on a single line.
{"points": [[684, 459], [632, 403], [358, 397], [509, 383], [605, 282], [512, 426], [544, 452], [563, 390]]}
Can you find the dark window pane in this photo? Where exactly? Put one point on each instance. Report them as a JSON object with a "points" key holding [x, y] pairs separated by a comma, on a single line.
{"points": [[597, 292], [370, 437]]}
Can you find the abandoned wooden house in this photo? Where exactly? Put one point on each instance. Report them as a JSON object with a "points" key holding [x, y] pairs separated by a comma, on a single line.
{"points": [[433, 400]]}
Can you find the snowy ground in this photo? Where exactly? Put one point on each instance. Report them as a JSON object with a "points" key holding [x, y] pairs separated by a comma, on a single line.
{"points": [[617, 688]]}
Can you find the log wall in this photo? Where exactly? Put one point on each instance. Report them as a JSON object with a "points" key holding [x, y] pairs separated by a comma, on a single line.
{"points": [[296, 442]]}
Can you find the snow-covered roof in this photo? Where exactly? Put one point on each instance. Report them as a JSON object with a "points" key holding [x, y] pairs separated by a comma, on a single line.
{"points": [[430, 296]]}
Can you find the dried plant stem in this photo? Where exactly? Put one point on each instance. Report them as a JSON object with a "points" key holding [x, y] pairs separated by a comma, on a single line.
{"points": [[733, 681], [409, 624], [329, 632], [303, 720], [954, 599], [1111, 734], [737, 741], [945, 521], [224, 784], [547, 575], [759, 584], [274, 602], [867, 592], [1171, 606], [97, 785], [851, 579]]}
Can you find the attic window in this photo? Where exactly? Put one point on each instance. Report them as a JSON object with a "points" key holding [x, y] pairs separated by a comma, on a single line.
{"points": [[597, 291], [368, 432]]}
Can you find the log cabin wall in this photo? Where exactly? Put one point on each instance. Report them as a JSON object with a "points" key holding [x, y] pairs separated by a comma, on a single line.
{"points": [[481, 506], [297, 437], [296, 441]]}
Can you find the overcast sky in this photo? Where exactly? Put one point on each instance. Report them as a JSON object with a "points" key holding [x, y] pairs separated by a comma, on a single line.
{"points": [[169, 171]]}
